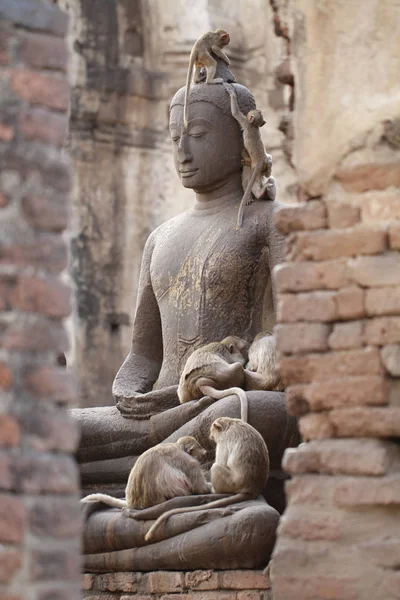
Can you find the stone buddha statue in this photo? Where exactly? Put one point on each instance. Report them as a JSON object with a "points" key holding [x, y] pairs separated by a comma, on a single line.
{"points": [[201, 280]]}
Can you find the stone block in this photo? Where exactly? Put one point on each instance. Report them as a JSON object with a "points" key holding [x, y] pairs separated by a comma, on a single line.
{"points": [[311, 306], [382, 207], [350, 303], [34, 334], [360, 421], [48, 252], [117, 582], [160, 582], [10, 562], [360, 456], [302, 337], [202, 580], [38, 473], [375, 271], [10, 431], [60, 564], [305, 276], [320, 367], [391, 359], [342, 214], [45, 295], [55, 383], [244, 580], [315, 588], [38, 88], [382, 331], [305, 216], [46, 212], [12, 519], [383, 301], [43, 51], [335, 243], [373, 176], [43, 126], [299, 522], [346, 335], [55, 517], [367, 491]]}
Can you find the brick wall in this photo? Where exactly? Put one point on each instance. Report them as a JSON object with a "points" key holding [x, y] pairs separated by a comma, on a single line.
{"points": [[39, 512], [339, 336], [176, 585]]}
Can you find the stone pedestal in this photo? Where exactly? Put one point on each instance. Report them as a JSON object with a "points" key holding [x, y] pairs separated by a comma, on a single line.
{"points": [[178, 585]]}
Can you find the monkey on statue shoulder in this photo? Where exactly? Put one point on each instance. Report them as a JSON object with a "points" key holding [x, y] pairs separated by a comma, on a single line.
{"points": [[161, 473], [241, 467], [216, 370]]}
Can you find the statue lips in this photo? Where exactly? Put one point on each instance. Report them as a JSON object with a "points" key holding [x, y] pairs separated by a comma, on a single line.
{"points": [[187, 172]]}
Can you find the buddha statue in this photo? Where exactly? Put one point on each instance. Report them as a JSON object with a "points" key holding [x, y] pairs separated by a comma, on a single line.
{"points": [[201, 280]]}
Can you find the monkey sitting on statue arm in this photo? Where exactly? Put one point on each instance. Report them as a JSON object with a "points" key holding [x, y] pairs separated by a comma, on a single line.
{"points": [[241, 468], [161, 473]]}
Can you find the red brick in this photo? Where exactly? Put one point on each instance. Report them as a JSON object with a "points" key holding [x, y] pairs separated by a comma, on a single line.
{"points": [[311, 306], [376, 271], [339, 456], [6, 133], [394, 236], [310, 215], [47, 251], [293, 338], [50, 429], [373, 491], [12, 519], [346, 335], [37, 473], [381, 208], [312, 490], [60, 591], [352, 422], [335, 393], [304, 276], [319, 367], [117, 582], [383, 301], [244, 580], [350, 303], [249, 595], [160, 582], [4, 201], [46, 295], [87, 581], [43, 51], [373, 176], [46, 213], [53, 168], [10, 562], [341, 215], [55, 564], [6, 376], [315, 588], [10, 433], [204, 595], [38, 88], [334, 243], [44, 126], [36, 334], [202, 580], [55, 517], [50, 382], [382, 330], [307, 526]]}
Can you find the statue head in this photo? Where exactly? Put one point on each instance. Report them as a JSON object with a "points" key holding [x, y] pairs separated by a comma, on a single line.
{"points": [[209, 153]]}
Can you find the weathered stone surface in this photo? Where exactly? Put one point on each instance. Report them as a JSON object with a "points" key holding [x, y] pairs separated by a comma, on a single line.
{"points": [[352, 422], [394, 236], [391, 359], [384, 207], [346, 335], [341, 215], [382, 330], [311, 306], [383, 301], [309, 215], [376, 271], [335, 243], [304, 276], [302, 337]]}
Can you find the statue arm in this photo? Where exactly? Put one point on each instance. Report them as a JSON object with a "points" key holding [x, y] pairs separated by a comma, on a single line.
{"points": [[132, 387]]}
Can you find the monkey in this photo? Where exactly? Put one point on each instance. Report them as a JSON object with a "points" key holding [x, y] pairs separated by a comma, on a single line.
{"points": [[263, 188], [260, 161], [212, 41], [241, 467], [216, 370], [261, 372], [161, 473]]}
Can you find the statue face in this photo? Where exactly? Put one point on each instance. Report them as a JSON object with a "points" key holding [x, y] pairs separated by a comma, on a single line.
{"points": [[209, 153]]}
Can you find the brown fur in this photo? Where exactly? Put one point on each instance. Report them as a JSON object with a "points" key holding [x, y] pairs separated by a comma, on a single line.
{"points": [[241, 467], [212, 41], [162, 472], [261, 372], [216, 370], [260, 161]]}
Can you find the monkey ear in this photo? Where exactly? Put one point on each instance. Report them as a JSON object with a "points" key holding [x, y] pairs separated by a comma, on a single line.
{"points": [[251, 118], [190, 450], [231, 348], [217, 425]]}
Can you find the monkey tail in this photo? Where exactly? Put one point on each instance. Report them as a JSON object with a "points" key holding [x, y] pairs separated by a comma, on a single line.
{"points": [[187, 93], [219, 394], [247, 197], [176, 511], [106, 499]]}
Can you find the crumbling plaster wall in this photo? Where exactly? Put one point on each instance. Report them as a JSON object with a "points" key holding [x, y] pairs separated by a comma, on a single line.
{"points": [[338, 315], [127, 60]]}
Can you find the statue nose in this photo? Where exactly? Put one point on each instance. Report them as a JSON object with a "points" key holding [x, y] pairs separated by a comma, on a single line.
{"points": [[184, 154]]}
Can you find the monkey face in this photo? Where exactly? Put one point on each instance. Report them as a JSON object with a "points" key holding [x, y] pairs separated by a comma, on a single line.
{"points": [[224, 38], [255, 118], [219, 425], [192, 447], [208, 154]]}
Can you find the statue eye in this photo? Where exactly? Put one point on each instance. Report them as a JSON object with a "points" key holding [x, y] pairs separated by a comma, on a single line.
{"points": [[197, 132], [174, 135]]}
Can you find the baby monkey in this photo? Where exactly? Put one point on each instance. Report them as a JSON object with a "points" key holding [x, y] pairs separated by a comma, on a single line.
{"points": [[261, 372], [241, 467], [161, 473], [212, 41], [260, 161], [216, 370]]}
